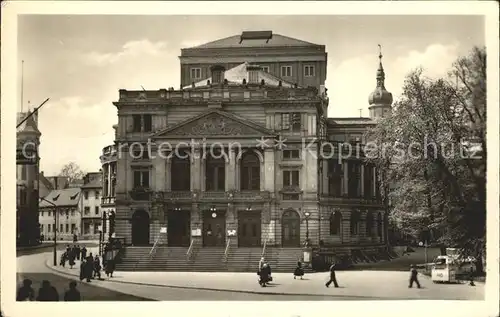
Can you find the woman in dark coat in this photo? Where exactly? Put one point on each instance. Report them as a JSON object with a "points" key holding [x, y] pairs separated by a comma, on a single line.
{"points": [[110, 267], [299, 271], [265, 274], [72, 259]]}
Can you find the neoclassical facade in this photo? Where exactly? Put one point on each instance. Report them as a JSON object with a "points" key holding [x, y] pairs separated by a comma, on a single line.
{"points": [[244, 158]]}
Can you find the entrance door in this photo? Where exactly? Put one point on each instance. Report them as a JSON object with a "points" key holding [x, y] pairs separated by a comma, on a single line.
{"points": [[214, 229], [249, 228], [140, 228], [290, 229], [178, 228]]}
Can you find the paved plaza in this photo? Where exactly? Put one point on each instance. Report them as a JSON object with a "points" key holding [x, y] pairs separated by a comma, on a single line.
{"points": [[354, 285]]}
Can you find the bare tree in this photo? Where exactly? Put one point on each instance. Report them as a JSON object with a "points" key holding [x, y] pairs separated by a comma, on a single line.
{"points": [[72, 171]]}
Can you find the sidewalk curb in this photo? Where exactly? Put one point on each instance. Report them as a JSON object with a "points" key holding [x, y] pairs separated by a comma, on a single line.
{"points": [[75, 277]]}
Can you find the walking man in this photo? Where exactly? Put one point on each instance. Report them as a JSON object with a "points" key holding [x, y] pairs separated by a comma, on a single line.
{"points": [[333, 278], [414, 276]]}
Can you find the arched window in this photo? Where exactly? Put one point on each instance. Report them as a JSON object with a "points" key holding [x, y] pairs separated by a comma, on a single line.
{"points": [[250, 171], [354, 222], [335, 223], [181, 171], [379, 224], [369, 224], [215, 169]]}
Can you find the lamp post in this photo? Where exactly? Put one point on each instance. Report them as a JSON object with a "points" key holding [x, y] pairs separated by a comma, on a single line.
{"points": [[55, 228], [307, 214]]}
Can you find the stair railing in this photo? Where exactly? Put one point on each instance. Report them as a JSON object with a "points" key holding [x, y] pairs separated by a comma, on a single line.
{"points": [[190, 250], [226, 252], [152, 252], [264, 248]]}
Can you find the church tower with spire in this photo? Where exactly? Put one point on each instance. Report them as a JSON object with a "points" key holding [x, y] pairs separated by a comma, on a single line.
{"points": [[380, 99]]}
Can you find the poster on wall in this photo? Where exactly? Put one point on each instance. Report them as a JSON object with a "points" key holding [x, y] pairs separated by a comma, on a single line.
{"points": [[196, 232], [163, 230]]}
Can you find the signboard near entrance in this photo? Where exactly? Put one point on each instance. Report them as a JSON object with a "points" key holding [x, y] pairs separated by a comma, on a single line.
{"points": [[163, 230], [196, 233]]}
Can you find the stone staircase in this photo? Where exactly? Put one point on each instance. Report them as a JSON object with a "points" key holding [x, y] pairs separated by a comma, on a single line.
{"points": [[208, 259]]}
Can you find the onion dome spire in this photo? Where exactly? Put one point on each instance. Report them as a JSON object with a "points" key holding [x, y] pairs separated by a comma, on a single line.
{"points": [[380, 96]]}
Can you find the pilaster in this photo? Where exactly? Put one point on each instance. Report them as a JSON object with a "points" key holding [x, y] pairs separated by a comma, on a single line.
{"points": [[362, 181], [346, 227], [231, 171], [345, 190], [196, 170], [159, 172], [269, 167]]}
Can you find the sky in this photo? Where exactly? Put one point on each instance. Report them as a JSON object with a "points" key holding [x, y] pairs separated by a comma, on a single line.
{"points": [[81, 61]]}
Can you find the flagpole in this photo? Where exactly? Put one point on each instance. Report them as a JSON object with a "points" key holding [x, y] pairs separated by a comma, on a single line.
{"points": [[22, 84]]}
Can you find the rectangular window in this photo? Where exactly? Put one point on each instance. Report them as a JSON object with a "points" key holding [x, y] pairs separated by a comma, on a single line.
{"points": [[291, 178], [61, 228], [195, 73], [41, 228], [291, 154], [96, 210], [50, 213], [72, 212], [97, 194], [136, 123], [86, 211], [23, 196], [148, 123], [354, 179], [286, 71], [96, 228], [86, 195], [141, 179], [23, 172], [265, 69], [73, 228], [309, 71], [67, 227], [368, 181], [42, 213], [49, 226], [335, 178], [86, 228], [285, 121], [296, 121], [355, 139]]}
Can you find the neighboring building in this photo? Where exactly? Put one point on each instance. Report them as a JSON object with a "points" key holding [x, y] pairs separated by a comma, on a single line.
{"points": [[253, 194], [91, 206], [60, 210], [49, 183], [28, 139], [295, 61]]}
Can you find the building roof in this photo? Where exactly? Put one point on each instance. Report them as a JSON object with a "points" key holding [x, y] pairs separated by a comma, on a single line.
{"points": [[94, 183], [350, 121], [236, 75], [28, 126], [256, 39], [61, 198]]}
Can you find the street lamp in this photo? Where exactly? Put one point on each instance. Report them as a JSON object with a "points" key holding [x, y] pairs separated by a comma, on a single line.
{"points": [[55, 228], [307, 214]]}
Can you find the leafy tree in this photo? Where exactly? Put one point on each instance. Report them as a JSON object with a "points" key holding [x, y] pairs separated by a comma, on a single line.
{"points": [[432, 154], [72, 171]]}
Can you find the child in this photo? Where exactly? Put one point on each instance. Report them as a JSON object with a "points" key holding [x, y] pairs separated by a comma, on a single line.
{"points": [[299, 271]]}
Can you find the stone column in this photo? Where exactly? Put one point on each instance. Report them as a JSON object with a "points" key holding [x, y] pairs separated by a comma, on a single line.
{"points": [[374, 237], [362, 226], [122, 171], [159, 173], [374, 185], [232, 223], [231, 171], [196, 181], [362, 180], [269, 172], [325, 179], [109, 179], [346, 178], [196, 222], [346, 227], [168, 174]]}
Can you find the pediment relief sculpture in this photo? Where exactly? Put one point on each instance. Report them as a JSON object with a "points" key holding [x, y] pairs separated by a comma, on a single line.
{"points": [[213, 124]]}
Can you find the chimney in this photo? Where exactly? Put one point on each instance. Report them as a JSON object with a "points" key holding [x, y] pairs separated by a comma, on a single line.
{"points": [[217, 74], [253, 74]]}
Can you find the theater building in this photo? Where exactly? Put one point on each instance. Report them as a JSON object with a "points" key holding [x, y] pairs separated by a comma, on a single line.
{"points": [[242, 157]]}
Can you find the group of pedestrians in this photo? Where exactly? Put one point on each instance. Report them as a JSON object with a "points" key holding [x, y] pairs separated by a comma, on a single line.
{"points": [[264, 273], [71, 254], [46, 293]]}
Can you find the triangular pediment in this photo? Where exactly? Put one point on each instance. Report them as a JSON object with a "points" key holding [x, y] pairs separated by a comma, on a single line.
{"points": [[215, 123]]}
